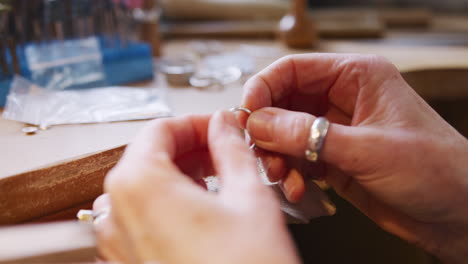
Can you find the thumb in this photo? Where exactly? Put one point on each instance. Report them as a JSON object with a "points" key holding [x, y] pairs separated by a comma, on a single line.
{"points": [[287, 132]]}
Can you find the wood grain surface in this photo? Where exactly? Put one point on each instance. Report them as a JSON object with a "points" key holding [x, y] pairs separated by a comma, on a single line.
{"points": [[41, 192]]}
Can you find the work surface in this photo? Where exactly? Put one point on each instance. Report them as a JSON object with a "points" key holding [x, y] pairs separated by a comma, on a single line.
{"points": [[23, 153]]}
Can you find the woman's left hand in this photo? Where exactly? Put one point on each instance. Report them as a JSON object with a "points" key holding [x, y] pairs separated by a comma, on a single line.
{"points": [[160, 213]]}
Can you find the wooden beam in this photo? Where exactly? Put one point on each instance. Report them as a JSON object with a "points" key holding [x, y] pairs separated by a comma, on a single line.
{"points": [[48, 190]]}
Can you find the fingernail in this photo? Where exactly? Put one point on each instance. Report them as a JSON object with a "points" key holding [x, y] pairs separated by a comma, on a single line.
{"points": [[293, 192], [260, 125], [293, 186]]}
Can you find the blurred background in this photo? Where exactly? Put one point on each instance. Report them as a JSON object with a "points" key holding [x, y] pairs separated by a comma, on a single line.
{"points": [[199, 53], [447, 6]]}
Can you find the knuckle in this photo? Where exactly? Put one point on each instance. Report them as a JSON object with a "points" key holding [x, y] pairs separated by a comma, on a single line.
{"points": [[150, 162], [362, 69], [288, 58], [381, 63], [379, 59], [360, 63], [368, 62], [250, 83], [354, 67]]}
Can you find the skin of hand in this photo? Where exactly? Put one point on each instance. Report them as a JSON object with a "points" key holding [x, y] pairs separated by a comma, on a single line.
{"points": [[162, 214], [387, 151]]}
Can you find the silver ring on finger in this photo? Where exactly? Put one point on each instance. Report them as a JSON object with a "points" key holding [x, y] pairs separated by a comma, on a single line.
{"points": [[318, 133], [92, 216]]}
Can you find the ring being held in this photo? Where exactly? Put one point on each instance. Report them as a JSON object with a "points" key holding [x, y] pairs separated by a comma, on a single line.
{"points": [[248, 112]]}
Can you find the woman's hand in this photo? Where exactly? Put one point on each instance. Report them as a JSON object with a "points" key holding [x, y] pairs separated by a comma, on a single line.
{"points": [[387, 151], [161, 214]]}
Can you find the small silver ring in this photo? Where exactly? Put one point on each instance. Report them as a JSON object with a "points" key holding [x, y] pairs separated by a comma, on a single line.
{"points": [[242, 109], [247, 111], [318, 133]]}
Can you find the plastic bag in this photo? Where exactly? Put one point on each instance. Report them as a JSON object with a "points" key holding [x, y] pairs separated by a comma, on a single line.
{"points": [[60, 65], [29, 103]]}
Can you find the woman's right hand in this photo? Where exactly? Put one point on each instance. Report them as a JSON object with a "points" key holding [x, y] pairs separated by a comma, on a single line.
{"points": [[387, 151]]}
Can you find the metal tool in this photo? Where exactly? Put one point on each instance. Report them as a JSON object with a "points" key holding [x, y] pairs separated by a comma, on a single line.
{"points": [[54, 15], [81, 17], [24, 22], [3, 34], [12, 43]]}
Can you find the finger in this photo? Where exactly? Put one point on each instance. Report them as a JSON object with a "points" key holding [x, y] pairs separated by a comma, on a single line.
{"points": [[233, 160], [286, 169], [148, 176], [300, 171], [287, 132], [274, 164], [182, 140], [293, 186], [155, 150], [174, 137], [149, 162], [340, 76], [112, 244]]}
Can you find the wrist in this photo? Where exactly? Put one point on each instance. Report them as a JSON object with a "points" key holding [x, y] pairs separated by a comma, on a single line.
{"points": [[453, 248], [446, 236]]}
